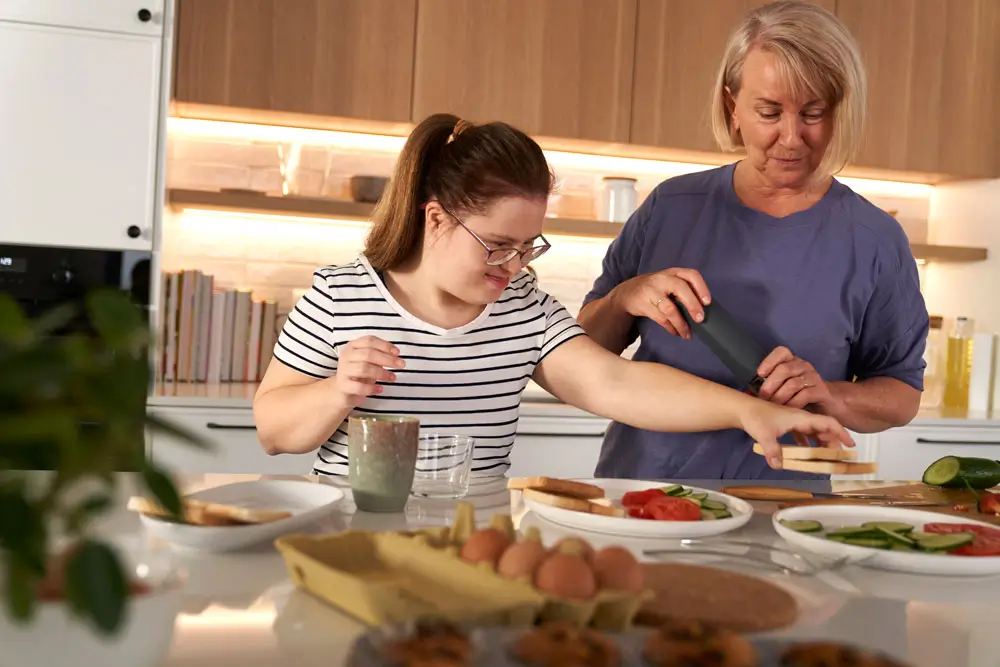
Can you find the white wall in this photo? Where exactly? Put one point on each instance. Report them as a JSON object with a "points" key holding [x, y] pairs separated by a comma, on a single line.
{"points": [[966, 214]]}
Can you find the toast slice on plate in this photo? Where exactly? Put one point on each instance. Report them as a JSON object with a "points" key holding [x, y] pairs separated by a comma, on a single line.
{"points": [[562, 487], [812, 453], [201, 513], [831, 467], [600, 506]]}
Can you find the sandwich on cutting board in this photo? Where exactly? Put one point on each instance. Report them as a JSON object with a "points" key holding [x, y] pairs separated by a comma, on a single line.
{"points": [[822, 460]]}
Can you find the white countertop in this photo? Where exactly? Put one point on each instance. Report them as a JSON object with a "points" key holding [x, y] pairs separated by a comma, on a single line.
{"points": [[242, 609], [239, 395]]}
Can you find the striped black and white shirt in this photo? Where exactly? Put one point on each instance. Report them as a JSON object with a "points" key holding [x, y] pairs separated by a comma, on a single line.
{"points": [[462, 381]]}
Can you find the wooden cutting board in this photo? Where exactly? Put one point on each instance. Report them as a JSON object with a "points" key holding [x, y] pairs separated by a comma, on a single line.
{"points": [[951, 497]]}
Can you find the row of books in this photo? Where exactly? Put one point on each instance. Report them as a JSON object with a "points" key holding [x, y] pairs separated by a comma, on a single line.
{"points": [[213, 335]]}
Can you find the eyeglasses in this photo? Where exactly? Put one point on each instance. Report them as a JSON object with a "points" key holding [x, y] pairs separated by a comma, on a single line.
{"points": [[501, 255]]}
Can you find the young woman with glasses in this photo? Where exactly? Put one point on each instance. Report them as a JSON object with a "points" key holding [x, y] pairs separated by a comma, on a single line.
{"points": [[438, 319]]}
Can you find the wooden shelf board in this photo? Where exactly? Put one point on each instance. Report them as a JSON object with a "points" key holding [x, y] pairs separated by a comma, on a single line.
{"points": [[258, 202], [945, 253]]}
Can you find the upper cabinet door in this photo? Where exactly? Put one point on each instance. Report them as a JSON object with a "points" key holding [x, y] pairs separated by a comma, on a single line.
{"points": [[933, 98], [679, 47], [140, 17], [550, 67], [78, 127], [349, 58]]}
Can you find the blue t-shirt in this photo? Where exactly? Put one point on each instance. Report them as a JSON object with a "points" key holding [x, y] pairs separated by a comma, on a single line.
{"points": [[836, 284]]}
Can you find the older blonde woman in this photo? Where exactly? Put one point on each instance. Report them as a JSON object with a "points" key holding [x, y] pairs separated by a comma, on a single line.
{"points": [[812, 270]]}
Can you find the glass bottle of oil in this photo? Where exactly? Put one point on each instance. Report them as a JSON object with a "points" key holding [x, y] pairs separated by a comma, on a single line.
{"points": [[959, 365], [934, 357]]}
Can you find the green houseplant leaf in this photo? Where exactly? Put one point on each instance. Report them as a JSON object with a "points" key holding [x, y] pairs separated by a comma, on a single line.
{"points": [[96, 586]]}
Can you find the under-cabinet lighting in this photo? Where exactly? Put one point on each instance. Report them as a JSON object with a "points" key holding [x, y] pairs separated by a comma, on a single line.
{"points": [[600, 164]]}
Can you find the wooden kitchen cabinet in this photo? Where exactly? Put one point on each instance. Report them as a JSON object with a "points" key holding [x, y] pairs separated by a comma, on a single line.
{"points": [[558, 68], [933, 68], [347, 58], [678, 49]]}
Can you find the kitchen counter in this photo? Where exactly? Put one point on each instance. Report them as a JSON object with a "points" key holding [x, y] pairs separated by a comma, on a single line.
{"points": [[240, 395], [242, 609]]}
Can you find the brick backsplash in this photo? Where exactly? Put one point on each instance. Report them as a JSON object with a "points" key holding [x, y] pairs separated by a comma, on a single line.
{"points": [[275, 257]]}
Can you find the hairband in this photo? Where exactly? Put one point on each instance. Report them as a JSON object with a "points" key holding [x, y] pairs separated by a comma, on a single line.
{"points": [[460, 127]]}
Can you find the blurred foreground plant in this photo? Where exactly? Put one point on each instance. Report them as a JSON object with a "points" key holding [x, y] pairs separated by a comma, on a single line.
{"points": [[74, 405]]}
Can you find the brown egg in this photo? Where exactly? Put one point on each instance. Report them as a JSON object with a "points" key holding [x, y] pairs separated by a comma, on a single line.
{"points": [[575, 546], [616, 568], [521, 560], [485, 545], [566, 576]]}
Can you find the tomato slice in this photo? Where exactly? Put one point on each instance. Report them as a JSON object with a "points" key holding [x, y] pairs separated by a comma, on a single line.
{"points": [[637, 513], [640, 498], [987, 542], [668, 508], [945, 528]]}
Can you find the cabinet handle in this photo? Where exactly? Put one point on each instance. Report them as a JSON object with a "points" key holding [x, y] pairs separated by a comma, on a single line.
{"points": [[230, 427], [133, 231], [145, 15], [930, 441]]}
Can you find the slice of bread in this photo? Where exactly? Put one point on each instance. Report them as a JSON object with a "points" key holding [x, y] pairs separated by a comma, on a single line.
{"points": [[201, 513], [812, 453], [562, 487], [590, 506], [830, 467]]}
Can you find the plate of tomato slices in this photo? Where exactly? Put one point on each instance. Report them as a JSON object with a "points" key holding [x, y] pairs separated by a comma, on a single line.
{"points": [[654, 510], [894, 538]]}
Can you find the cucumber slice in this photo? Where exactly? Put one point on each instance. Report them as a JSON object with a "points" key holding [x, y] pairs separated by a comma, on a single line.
{"points": [[945, 542], [672, 490], [720, 514], [853, 531], [891, 526], [959, 471], [870, 542], [803, 526], [896, 546], [836, 538], [895, 538], [919, 535], [698, 496], [713, 505], [708, 515]]}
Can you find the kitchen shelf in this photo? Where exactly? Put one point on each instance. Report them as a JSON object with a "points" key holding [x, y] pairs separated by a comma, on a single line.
{"points": [[249, 201]]}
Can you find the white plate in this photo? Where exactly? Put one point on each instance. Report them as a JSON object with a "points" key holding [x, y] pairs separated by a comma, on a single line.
{"points": [[307, 501], [629, 527], [836, 516]]}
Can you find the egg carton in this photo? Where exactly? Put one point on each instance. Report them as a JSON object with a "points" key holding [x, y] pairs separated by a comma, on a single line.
{"points": [[392, 577]]}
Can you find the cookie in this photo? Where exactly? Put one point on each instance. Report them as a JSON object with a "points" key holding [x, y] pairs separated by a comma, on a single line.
{"points": [[691, 643], [432, 644], [561, 644], [831, 654]]}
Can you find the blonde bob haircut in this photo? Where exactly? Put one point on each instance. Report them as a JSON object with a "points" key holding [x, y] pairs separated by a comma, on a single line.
{"points": [[818, 58]]}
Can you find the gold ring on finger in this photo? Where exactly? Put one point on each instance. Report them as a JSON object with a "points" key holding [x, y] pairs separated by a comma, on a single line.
{"points": [[656, 304]]}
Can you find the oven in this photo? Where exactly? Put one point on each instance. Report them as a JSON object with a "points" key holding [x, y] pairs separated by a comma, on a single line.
{"points": [[40, 278]]}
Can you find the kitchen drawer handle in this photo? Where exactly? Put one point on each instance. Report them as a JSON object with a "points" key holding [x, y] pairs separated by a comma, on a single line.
{"points": [[230, 427], [930, 441]]}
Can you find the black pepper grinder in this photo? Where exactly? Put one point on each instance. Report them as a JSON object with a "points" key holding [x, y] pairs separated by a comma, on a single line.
{"points": [[729, 342]]}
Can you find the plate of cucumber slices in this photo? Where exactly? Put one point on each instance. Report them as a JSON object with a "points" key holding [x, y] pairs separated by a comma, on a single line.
{"points": [[893, 538]]}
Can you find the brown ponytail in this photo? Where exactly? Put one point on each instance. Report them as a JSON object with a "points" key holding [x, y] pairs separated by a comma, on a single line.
{"points": [[464, 166]]}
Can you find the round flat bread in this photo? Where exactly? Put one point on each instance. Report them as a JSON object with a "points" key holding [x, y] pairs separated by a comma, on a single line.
{"points": [[727, 599]]}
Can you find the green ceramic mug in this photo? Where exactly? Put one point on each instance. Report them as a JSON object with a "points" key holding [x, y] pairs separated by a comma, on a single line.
{"points": [[381, 459]]}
